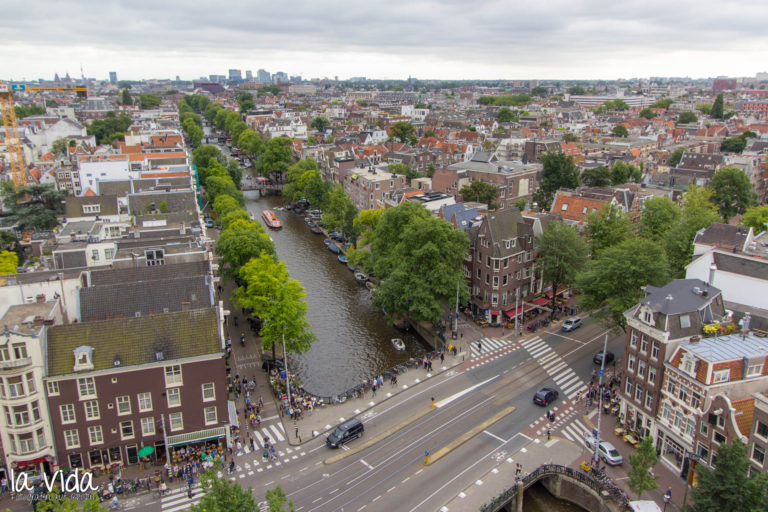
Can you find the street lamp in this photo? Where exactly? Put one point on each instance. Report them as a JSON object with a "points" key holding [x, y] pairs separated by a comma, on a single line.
{"points": [[600, 398], [285, 366]]}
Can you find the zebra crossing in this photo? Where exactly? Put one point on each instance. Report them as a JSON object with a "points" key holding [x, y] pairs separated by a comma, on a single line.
{"points": [[275, 433], [574, 431], [486, 346], [176, 500], [566, 379]]}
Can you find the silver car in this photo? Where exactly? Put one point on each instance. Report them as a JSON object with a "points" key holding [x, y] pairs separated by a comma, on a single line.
{"points": [[607, 452], [572, 324]]}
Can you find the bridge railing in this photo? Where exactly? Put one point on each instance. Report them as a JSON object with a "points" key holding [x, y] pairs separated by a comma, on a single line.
{"points": [[605, 488]]}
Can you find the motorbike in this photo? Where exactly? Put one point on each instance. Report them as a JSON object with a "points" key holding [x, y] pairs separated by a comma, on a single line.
{"points": [[242, 339]]}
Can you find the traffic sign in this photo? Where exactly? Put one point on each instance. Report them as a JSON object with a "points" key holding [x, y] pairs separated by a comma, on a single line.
{"points": [[18, 87], [601, 372]]}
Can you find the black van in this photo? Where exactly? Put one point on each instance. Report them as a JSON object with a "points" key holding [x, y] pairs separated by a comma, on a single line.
{"points": [[344, 433]]}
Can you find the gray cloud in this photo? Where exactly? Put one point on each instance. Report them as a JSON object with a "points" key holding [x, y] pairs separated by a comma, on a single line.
{"points": [[496, 36]]}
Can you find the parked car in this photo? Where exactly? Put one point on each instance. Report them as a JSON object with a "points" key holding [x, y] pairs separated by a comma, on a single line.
{"points": [[209, 223], [607, 452], [572, 323], [545, 396], [609, 357]]}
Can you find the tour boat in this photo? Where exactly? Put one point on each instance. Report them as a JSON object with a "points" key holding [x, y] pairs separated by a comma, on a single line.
{"points": [[398, 343], [271, 220]]}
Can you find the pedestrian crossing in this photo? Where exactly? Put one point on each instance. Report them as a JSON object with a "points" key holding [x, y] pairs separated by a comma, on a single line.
{"points": [[274, 433], [486, 346], [176, 500], [566, 379]]}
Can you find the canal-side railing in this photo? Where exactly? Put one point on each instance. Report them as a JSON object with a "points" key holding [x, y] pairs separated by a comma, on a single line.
{"points": [[605, 488]]}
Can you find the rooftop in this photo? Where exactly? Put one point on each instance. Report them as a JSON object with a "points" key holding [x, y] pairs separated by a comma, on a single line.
{"points": [[679, 296], [729, 347], [21, 318]]}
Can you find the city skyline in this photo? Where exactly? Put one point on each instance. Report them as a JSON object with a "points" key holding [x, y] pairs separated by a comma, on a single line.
{"points": [[430, 40]]}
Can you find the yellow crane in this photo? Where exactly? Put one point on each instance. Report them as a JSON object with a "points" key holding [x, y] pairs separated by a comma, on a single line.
{"points": [[12, 140]]}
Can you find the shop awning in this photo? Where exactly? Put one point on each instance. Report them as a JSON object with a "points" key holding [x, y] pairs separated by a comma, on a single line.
{"points": [[31, 462], [541, 301], [197, 437], [232, 413], [495, 312]]}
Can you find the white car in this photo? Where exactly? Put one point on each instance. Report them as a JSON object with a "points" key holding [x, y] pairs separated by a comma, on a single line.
{"points": [[572, 324], [607, 452]]}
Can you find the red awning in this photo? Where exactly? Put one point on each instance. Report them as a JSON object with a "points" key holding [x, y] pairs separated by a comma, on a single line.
{"points": [[541, 301], [33, 462], [495, 312]]}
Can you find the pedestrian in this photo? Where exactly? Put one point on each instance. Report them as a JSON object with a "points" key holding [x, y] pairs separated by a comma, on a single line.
{"points": [[480, 347], [373, 388], [442, 358], [258, 421], [239, 447], [518, 470], [273, 452], [549, 433]]}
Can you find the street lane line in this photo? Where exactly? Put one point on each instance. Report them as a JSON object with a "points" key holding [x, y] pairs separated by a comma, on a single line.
{"points": [[469, 434], [366, 464], [494, 436], [460, 394]]}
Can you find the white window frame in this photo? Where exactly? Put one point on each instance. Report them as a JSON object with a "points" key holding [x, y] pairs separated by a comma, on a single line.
{"points": [[207, 412], [685, 321], [89, 407], [633, 339], [67, 412], [72, 439], [89, 383], [719, 376], [756, 447], [648, 400], [95, 435], [172, 376], [53, 387], [123, 435], [176, 394], [211, 389], [176, 421], [631, 363], [121, 401], [143, 397], [655, 350], [148, 426], [651, 374], [755, 370]]}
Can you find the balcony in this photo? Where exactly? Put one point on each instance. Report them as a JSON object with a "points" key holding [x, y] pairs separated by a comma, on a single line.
{"points": [[16, 363], [25, 428]]}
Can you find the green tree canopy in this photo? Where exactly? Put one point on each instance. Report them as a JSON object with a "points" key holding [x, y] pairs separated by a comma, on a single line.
{"points": [[480, 192], [570, 137], [276, 157], [147, 101], [105, 129], [687, 117], [596, 176], [505, 115], [659, 216], [663, 103], [403, 131], [607, 227], [642, 461], [126, 99], [276, 498], [540, 91], [756, 218], [559, 172], [717, 107], [732, 192], [241, 241], [269, 90], [193, 131], [320, 123], [217, 185], [698, 212], [33, 206], [624, 173], [620, 131], [204, 155], [33, 110], [734, 144], [59, 147], [514, 100], [577, 90], [729, 487], [613, 280], [365, 225], [616, 104], [562, 253], [250, 143], [224, 495], [225, 204], [340, 212], [675, 157], [647, 113], [9, 260]]}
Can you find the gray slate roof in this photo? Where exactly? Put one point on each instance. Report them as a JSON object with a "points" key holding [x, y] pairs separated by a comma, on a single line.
{"points": [[145, 298], [683, 298], [729, 348], [140, 274], [723, 235], [750, 267]]}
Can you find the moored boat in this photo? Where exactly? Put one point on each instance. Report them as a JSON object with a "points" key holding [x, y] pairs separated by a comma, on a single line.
{"points": [[398, 343], [343, 259], [334, 248], [271, 220], [316, 230], [360, 277]]}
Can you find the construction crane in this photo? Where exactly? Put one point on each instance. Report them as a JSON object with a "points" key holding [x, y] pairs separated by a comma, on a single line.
{"points": [[12, 139]]}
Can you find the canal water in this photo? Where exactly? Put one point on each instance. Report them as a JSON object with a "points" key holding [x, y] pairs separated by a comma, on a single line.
{"points": [[538, 499], [353, 337]]}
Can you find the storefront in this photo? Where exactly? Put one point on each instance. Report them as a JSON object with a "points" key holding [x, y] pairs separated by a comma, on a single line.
{"points": [[672, 450], [199, 445]]}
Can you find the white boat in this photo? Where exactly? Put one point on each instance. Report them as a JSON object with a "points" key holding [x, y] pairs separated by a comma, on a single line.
{"points": [[398, 343]]}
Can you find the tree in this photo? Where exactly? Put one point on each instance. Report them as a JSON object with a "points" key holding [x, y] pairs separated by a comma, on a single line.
{"points": [[217, 185], [596, 176], [620, 131], [147, 101], [340, 212], [33, 206], [540, 91], [562, 253], [698, 212], [732, 192], [687, 117], [705, 109], [225, 204], [59, 147], [58, 502], [320, 123], [105, 129], [365, 225], [559, 172], [250, 143], [127, 100], [659, 216], [505, 115], [613, 280], [663, 103], [241, 241], [607, 227], [403, 132], [675, 157], [570, 137], [278, 300], [756, 218], [624, 173], [235, 171], [480, 192], [729, 487], [9, 260], [224, 495], [276, 498], [642, 460], [616, 104], [717, 107], [577, 90], [193, 131], [276, 157], [203, 156], [734, 144], [647, 113]]}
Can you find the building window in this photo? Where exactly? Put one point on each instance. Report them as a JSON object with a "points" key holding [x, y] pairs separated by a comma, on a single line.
{"points": [[648, 399], [95, 255], [123, 405], [26, 443], [210, 415], [631, 363], [91, 410], [758, 455], [31, 386], [71, 439], [755, 370], [641, 369], [176, 420], [639, 393], [695, 400], [148, 426], [655, 350], [53, 388], [762, 430], [702, 451], [173, 375], [685, 321], [495, 281], [651, 374], [174, 397], [145, 401], [718, 438], [5, 353], [704, 429], [667, 412], [683, 393], [644, 344], [690, 427], [126, 429], [67, 413], [628, 387], [95, 435], [86, 387], [19, 350], [35, 411], [15, 387], [108, 253], [647, 317], [155, 257], [633, 339], [721, 376], [20, 416]]}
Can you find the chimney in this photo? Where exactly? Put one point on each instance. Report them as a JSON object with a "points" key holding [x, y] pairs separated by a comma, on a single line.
{"points": [[38, 321], [712, 270]]}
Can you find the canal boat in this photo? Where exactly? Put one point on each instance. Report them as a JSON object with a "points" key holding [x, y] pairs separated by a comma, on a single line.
{"points": [[351, 267], [334, 248], [402, 324], [343, 259], [327, 242], [271, 220], [361, 278], [370, 285], [316, 230], [398, 343]]}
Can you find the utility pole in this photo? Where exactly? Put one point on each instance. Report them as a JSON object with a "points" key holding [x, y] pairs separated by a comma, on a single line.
{"points": [[517, 313], [165, 439], [285, 365], [456, 324], [600, 400]]}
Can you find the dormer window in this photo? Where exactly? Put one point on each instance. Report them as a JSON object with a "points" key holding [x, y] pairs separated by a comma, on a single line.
{"points": [[647, 315], [688, 364], [83, 358]]}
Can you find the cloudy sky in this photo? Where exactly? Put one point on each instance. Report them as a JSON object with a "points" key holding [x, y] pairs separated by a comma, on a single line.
{"points": [[448, 39]]}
